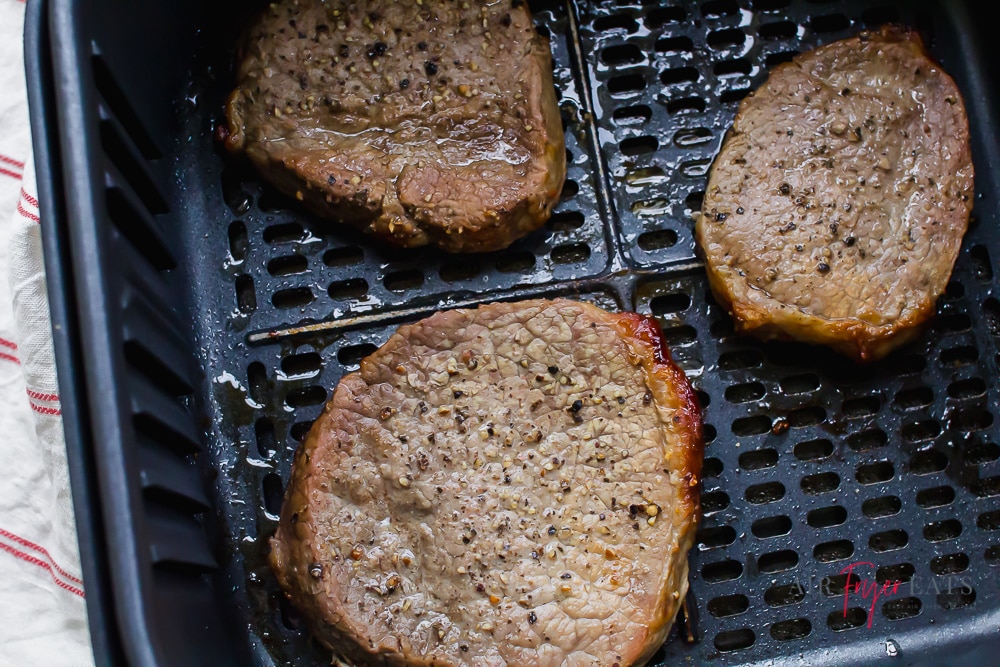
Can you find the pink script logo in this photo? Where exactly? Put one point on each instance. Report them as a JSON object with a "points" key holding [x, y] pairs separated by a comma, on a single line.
{"points": [[866, 587]]}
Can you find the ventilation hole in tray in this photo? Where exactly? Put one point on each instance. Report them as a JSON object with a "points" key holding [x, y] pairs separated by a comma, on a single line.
{"points": [[823, 482], [289, 232], [302, 397], [740, 359], [680, 337], [950, 564], [708, 433], [981, 267], [694, 201], [876, 16], [569, 190], [343, 256], [722, 328], [638, 145], [733, 95], [829, 23], [661, 16], [985, 488], [989, 520], [876, 508], [726, 38], [953, 292], [829, 552], [670, 303], [728, 605], [615, 22], [775, 59], [867, 440], [520, 262], [273, 492], [574, 253], [299, 430], [759, 459], [920, 431], [634, 115], [825, 517], [695, 168], [746, 426], [622, 54], [715, 537], [257, 381], [239, 242], [352, 288], [928, 462], [350, 356], [938, 496], [564, 221], [674, 45], [959, 356], [716, 501], [726, 570], [626, 84], [888, 540], [401, 281], [864, 406], [287, 265], [778, 30], [808, 416], [271, 201], [267, 442], [718, 8], [459, 270], [303, 365], [966, 389], [839, 621], [770, 5], [902, 572], [800, 384], [833, 585], [745, 393], [677, 75], [813, 450], [712, 467], [992, 555], [120, 104], [906, 364], [874, 473], [772, 526], [897, 610], [692, 137], [657, 240], [959, 322], [735, 67], [686, 105], [290, 617], [970, 419], [942, 531], [913, 398], [294, 297], [784, 595], [778, 561], [956, 598], [794, 629], [734, 640]]}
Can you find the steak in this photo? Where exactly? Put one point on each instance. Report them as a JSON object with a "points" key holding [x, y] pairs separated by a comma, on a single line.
{"points": [[421, 123], [836, 207], [510, 485]]}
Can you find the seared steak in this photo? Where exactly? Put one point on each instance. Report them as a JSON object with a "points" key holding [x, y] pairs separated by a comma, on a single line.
{"points": [[429, 122], [835, 210], [511, 485]]}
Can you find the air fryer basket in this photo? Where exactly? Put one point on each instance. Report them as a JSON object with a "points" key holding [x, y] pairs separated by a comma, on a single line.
{"points": [[203, 320]]}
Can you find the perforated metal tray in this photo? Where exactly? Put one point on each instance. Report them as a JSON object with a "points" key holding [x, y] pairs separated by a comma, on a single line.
{"points": [[211, 319]]}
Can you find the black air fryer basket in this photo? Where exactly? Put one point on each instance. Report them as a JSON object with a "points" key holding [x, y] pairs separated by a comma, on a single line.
{"points": [[202, 320]]}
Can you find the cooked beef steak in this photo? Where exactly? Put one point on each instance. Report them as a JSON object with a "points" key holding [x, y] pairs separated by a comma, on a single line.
{"points": [[422, 123], [835, 210], [511, 485]]}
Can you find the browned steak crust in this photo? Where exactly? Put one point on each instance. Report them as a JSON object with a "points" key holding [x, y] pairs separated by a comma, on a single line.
{"points": [[513, 485], [421, 123], [835, 210]]}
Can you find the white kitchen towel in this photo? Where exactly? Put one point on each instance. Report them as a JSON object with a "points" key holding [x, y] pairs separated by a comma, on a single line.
{"points": [[43, 619]]}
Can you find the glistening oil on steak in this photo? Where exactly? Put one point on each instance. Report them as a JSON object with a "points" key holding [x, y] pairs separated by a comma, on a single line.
{"points": [[511, 485]]}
